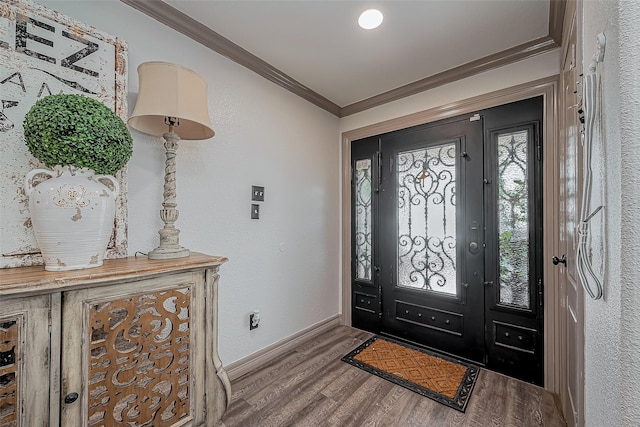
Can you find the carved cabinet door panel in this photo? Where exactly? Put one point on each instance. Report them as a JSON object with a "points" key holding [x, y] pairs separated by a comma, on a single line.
{"points": [[133, 353], [24, 361]]}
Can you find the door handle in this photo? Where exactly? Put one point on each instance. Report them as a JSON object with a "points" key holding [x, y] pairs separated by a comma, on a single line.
{"points": [[555, 260], [70, 398]]}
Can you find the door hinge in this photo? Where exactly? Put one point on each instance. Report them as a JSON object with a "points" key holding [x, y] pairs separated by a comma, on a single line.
{"points": [[379, 155], [540, 295], [538, 147], [379, 299]]}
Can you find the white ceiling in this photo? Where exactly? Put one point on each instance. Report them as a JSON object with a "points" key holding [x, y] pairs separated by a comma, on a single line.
{"points": [[319, 43]]}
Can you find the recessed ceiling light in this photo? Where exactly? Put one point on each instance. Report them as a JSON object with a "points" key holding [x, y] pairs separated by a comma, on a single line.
{"points": [[370, 19]]}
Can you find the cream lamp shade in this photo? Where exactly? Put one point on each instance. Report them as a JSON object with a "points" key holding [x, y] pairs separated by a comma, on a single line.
{"points": [[170, 90]]}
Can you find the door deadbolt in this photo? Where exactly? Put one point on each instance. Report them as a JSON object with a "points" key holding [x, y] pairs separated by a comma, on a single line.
{"points": [[474, 237]]}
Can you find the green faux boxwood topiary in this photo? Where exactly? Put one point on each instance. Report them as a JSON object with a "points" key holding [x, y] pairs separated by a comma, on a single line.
{"points": [[76, 130]]}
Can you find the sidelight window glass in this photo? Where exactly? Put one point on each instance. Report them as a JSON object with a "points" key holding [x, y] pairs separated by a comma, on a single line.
{"points": [[363, 219], [513, 218]]}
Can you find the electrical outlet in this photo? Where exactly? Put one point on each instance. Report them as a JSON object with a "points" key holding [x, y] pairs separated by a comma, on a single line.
{"points": [[254, 320]]}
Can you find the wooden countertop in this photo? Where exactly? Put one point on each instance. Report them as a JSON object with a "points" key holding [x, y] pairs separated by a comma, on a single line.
{"points": [[23, 281]]}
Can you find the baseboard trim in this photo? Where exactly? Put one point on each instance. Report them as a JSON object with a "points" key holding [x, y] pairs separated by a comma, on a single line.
{"points": [[260, 358]]}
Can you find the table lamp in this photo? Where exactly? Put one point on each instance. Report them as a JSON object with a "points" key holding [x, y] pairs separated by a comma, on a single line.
{"points": [[172, 100]]}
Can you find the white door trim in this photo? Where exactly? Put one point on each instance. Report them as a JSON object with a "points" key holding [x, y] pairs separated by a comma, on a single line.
{"points": [[548, 88]]}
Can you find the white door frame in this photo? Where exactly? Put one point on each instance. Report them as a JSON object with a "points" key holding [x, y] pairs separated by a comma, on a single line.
{"points": [[548, 88], [572, 314]]}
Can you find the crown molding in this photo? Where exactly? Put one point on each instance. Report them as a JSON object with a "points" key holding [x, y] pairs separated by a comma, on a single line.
{"points": [[204, 35], [499, 59], [557, 10]]}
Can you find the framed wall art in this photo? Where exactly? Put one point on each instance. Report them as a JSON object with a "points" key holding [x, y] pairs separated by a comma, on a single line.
{"points": [[43, 52]]}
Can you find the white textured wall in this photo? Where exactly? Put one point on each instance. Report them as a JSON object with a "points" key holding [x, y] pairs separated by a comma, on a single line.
{"points": [[611, 385], [602, 318], [612, 341], [629, 45], [286, 263]]}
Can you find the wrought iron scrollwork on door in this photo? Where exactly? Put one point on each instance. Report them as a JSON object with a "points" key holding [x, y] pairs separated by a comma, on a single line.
{"points": [[513, 217], [426, 218], [363, 198]]}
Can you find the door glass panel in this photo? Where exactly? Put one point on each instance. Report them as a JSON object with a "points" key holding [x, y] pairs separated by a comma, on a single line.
{"points": [[513, 218], [427, 218], [363, 219]]}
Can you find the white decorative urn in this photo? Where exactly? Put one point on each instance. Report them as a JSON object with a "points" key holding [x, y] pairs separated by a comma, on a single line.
{"points": [[72, 214]]}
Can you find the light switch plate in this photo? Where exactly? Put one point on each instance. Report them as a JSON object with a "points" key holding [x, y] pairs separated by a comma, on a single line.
{"points": [[255, 211], [257, 193]]}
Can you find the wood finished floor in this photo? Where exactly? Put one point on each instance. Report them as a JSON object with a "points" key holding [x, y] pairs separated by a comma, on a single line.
{"points": [[311, 386]]}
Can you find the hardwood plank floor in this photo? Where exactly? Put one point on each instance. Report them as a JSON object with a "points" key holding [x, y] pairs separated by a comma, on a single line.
{"points": [[311, 386]]}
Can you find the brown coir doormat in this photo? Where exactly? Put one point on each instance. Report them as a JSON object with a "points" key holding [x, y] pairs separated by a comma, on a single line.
{"points": [[437, 377]]}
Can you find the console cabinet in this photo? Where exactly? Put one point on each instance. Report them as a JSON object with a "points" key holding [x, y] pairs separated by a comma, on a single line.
{"points": [[131, 343]]}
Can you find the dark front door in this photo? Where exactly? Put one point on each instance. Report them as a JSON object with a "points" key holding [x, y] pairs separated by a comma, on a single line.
{"points": [[430, 218], [446, 237]]}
